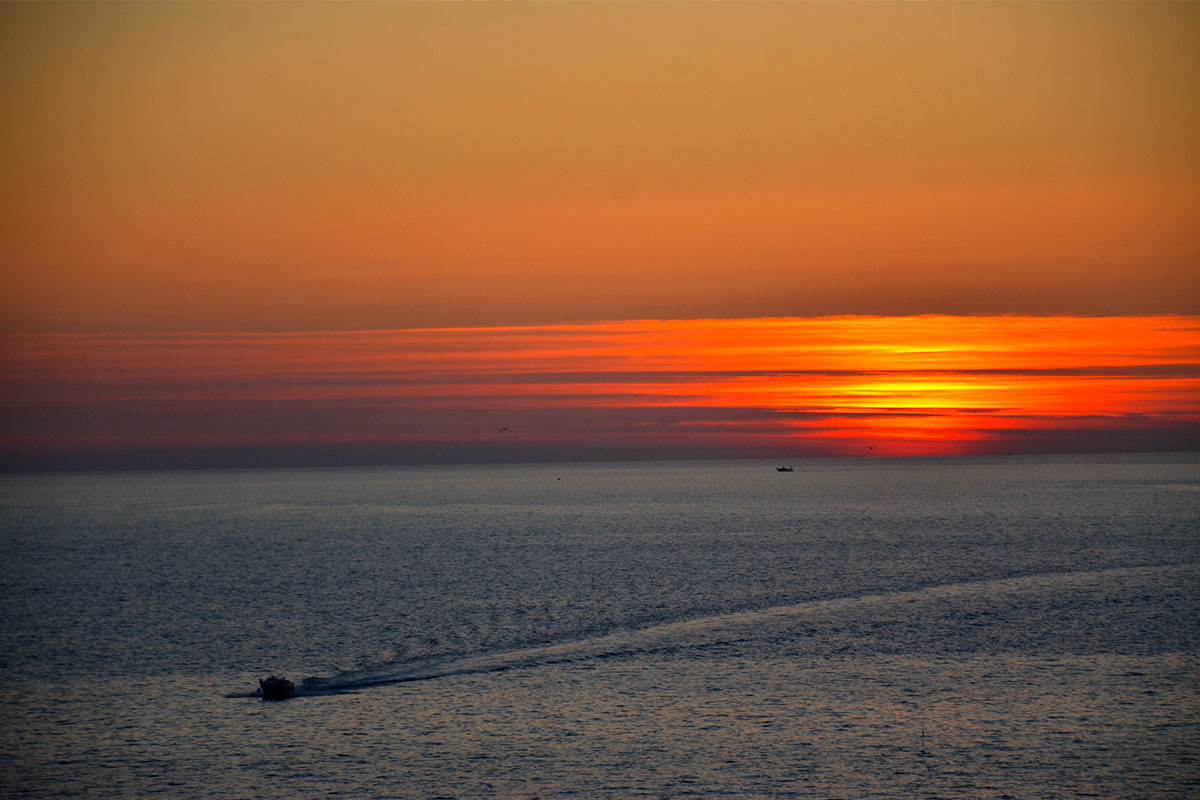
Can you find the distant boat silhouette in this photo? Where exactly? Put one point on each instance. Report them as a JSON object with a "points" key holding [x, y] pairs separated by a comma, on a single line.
{"points": [[784, 469]]}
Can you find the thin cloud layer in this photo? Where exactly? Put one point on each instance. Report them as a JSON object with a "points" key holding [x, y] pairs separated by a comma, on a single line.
{"points": [[778, 388]]}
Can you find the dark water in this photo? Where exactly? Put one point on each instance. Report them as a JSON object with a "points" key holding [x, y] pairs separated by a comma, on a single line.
{"points": [[978, 628]]}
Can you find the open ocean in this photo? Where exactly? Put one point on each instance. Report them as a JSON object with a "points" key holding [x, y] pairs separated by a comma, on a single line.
{"points": [[1019, 627]]}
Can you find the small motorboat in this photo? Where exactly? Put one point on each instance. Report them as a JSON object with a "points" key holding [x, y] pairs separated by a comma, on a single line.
{"points": [[276, 688], [784, 469]]}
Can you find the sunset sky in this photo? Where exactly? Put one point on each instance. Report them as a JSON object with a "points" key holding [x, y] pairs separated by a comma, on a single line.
{"points": [[378, 233]]}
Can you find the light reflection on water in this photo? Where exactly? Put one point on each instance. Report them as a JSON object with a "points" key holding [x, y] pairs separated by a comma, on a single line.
{"points": [[633, 635], [1003, 726]]}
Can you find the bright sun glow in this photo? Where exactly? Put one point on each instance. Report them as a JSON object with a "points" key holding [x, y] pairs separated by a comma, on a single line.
{"points": [[839, 385]]}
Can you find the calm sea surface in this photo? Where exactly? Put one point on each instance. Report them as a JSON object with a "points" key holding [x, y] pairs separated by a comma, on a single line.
{"points": [[961, 628]]}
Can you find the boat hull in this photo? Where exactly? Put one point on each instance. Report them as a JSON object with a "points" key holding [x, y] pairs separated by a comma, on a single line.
{"points": [[274, 688]]}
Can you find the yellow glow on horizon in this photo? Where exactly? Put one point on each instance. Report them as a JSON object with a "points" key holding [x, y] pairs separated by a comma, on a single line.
{"points": [[897, 385]]}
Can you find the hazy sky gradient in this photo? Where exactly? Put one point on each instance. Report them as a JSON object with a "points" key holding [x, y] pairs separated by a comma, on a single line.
{"points": [[280, 166]]}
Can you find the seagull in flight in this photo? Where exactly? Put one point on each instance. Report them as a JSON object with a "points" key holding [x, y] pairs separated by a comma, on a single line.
{"points": [[502, 430]]}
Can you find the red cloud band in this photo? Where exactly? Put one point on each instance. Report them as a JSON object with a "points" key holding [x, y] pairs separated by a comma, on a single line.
{"points": [[796, 386]]}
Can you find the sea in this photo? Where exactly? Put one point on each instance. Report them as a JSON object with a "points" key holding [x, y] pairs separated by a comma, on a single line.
{"points": [[991, 627]]}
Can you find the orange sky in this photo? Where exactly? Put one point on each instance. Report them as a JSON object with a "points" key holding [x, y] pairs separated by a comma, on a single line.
{"points": [[771, 388], [310, 166], [248, 227]]}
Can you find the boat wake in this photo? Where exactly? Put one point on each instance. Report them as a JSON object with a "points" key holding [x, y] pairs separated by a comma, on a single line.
{"points": [[790, 621], [609, 646]]}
